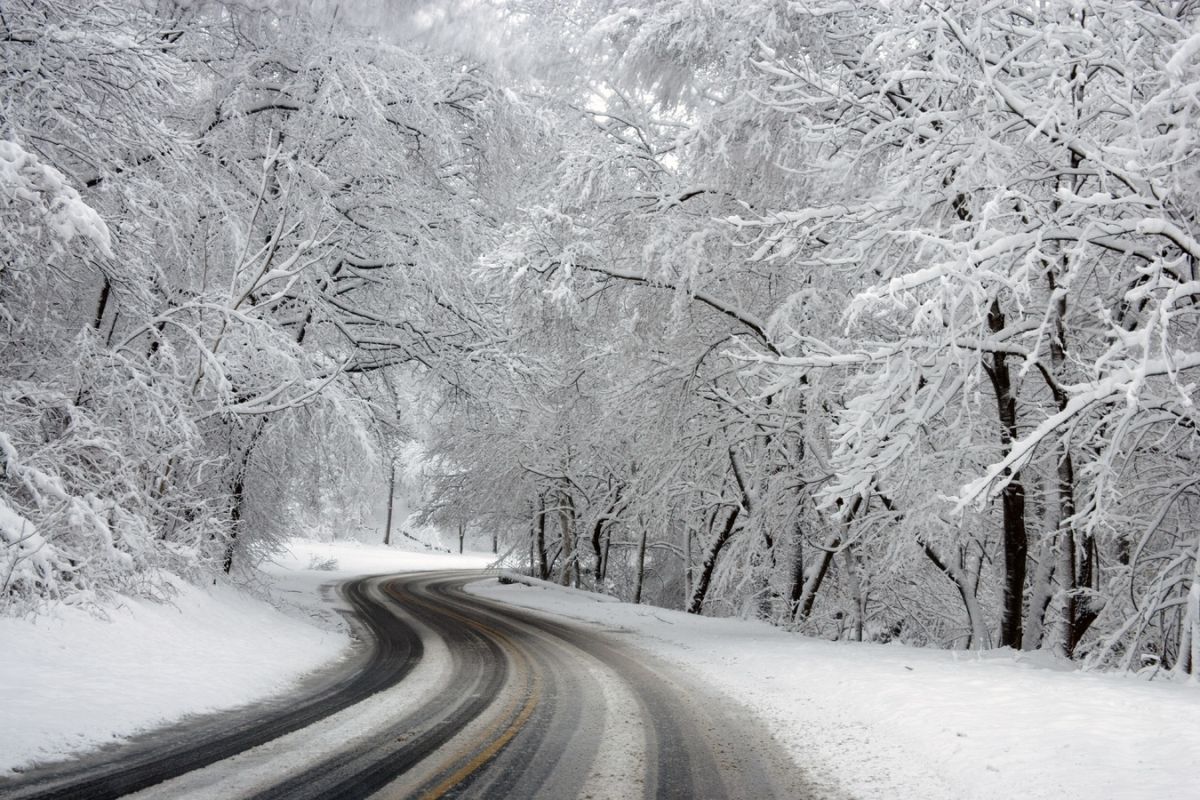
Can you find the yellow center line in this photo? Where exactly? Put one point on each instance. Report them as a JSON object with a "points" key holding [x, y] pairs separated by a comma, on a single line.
{"points": [[485, 755], [533, 680]]}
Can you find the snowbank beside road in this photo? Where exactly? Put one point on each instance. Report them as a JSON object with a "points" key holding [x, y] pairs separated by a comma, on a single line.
{"points": [[891, 721], [71, 682]]}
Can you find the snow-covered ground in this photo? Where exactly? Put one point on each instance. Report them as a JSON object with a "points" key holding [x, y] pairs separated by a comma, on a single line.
{"points": [[72, 681], [890, 721], [871, 720]]}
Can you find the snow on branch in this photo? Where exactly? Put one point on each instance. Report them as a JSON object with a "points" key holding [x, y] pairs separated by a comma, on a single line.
{"points": [[1120, 383], [42, 190]]}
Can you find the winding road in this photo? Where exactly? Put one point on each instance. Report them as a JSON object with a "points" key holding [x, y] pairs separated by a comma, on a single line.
{"points": [[453, 695]]}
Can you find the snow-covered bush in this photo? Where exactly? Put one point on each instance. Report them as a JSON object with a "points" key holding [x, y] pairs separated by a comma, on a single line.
{"points": [[87, 503]]}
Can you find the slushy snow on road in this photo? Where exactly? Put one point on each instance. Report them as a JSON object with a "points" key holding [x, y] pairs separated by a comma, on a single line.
{"points": [[72, 681]]}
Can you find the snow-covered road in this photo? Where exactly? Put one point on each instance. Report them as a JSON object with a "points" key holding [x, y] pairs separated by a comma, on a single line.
{"points": [[75, 680], [457, 696]]}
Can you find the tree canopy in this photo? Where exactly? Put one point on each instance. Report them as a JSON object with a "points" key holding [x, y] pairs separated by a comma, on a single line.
{"points": [[872, 319]]}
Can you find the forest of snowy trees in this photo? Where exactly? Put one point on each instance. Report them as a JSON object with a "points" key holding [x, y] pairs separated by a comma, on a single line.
{"points": [[874, 319]]}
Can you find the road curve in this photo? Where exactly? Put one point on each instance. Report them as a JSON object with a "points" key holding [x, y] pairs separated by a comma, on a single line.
{"points": [[459, 697]]}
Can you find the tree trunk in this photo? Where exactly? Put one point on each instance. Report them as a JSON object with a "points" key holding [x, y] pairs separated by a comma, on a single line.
{"points": [[1041, 592], [766, 595], [387, 531], [1015, 554], [858, 592], [599, 548], [687, 563], [101, 305], [1189, 629], [566, 521], [813, 580], [641, 567], [710, 562], [540, 528], [604, 552], [238, 492], [532, 541], [235, 519], [597, 554], [1012, 498], [796, 579], [961, 579]]}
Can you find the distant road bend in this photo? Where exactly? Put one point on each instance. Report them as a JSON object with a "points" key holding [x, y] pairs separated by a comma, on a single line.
{"points": [[456, 696]]}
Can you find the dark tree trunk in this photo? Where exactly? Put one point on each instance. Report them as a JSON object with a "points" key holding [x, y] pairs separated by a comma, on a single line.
{"points": [[387, 532], [1012, 498], [235, 517], [237, 493], [687, 563], [811, 582], [101, 305], [540, 538], [599, 548], [710, 561], [604, 552], [641, 567], [597, 555]]}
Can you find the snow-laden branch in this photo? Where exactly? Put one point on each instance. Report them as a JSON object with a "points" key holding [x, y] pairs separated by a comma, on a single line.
{"points": [[1119, 383], [39, 187], [750, 321], [264, 404]]}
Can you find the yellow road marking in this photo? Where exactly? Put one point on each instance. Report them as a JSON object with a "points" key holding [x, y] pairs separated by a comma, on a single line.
{"points": [[534, 681], [491, 750]]}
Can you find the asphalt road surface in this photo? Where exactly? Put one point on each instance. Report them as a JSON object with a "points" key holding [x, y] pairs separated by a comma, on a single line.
{"points": [[452, 695]]}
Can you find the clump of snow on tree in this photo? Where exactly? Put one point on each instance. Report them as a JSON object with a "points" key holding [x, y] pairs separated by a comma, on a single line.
{"points": [[43, 193]]}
